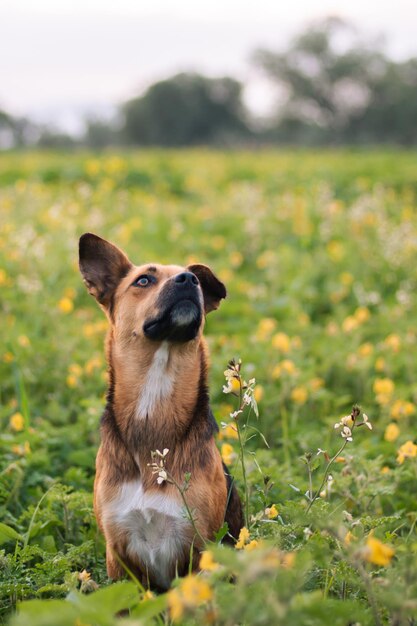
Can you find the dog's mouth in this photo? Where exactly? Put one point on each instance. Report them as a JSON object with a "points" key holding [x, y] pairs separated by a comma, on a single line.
{"points": [[179, 322]]}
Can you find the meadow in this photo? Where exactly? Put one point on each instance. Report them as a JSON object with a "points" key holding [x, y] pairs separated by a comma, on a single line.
{"points": [[319, 254]]}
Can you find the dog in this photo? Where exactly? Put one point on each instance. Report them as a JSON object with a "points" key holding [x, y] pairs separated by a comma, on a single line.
{"points": [[157, 399]]}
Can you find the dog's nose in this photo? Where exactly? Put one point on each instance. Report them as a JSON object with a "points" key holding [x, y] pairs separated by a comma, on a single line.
{"points": [[186, 278]]}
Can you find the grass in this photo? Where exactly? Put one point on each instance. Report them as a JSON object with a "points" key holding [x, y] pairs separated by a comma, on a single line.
{"points": [[318, 251]]}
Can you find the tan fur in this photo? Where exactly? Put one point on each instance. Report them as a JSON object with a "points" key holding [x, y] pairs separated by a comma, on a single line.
{"points": [[127, 440]]}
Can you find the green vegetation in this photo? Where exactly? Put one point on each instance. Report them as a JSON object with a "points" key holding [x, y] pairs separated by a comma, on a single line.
{"points": [[318, 251]]}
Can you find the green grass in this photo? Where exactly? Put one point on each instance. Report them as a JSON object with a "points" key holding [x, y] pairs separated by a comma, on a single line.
{"points": [[319, 253]]}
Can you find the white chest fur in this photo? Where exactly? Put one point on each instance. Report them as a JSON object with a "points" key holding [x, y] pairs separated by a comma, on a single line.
{"points": [[154, 525], [158, 384]]}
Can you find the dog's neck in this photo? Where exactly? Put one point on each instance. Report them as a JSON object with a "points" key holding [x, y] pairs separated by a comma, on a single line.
{"points": [[156, 389]]}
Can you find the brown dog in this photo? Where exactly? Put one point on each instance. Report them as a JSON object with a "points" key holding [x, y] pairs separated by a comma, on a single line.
{"points": [[157, 399]]}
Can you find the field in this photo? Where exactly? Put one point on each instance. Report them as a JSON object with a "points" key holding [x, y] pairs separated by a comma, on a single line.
{"points": [[319, 255]]}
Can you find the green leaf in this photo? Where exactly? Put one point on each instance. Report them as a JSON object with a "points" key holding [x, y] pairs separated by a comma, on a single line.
{"points": [[8, 534]]}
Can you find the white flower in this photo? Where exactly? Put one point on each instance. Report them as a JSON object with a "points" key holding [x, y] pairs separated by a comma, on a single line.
{"points": [[162, 454], [320, 451], [366, 421], [235, 414], [162, 476], [345, 421], [347, 433]]}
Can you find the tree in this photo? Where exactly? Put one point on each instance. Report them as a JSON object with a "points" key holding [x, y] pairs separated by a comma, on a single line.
{"points": [[339, 90], [187, 109]]}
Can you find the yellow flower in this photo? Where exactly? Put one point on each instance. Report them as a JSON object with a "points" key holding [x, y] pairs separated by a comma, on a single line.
{"points": [[244, 537], [23, 341], [236, 259], [148, 595], [229, 432], [393, 342], [349, 324], [84, 576], [385, 469], [281, 342], [228, 454], [362, 314], [391, 432], [299, 395], [286, 366], [406, 451], [92, 167], [92, 364], [377, 552], [348, 538], [65, 305], [258, 393], [207, 562], [400, 408], [335, 250], [271, 512], [191, 593], [3, 277], [380, 364], [17, 421], [251, 545], [316, 383], [75, 369], [383, 388], [72, 381], [265, 328], [365, 349], [346, 279], [22, 450], [8, 357]]}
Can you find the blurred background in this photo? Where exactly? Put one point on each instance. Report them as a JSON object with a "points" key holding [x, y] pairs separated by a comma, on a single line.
{"points": [[312, 72]]}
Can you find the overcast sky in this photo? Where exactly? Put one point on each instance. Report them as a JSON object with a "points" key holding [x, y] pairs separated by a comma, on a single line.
{"points": [[60, 58]]}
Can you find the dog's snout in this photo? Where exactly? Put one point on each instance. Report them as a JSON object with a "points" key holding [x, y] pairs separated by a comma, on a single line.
{"points": [[186, 278]]}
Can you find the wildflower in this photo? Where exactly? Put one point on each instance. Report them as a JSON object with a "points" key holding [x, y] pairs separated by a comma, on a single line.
{"points": [[299, 395], [265, 327], [383, 388], [346, 279], [8, 357], [285, 367], [316, 383], [3, 277], [75, 369], [228, 454], [377, 552], [72, 381], [23, 341], [380, 364], [87, 583], [349, 323], [345, 421], [233, 385], [17, 422], [207, 562], [243, 539], [366, 421], [365, 349], [158, 465], [393, 342], [229, 431], [236, 259], [400, 408], [391, 432], [347, 433], [271, 512], [148, 595], [251, 545], [362, 314], [65, 305], [281, 342], [348, 538], [258, 393], [406, 451], [191, 593], [21, 450]]}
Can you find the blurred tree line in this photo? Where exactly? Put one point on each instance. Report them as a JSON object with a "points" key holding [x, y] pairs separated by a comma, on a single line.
{"points": [[332, 89]]}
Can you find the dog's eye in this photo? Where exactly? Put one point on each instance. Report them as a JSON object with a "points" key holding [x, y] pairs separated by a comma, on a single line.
{"points": [[143, 281]]}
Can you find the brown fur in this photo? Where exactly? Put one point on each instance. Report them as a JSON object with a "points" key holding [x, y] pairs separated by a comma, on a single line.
{"points": [[182, 423]]}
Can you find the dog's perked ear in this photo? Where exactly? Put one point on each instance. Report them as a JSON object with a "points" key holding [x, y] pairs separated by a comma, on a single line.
{"points": [[213, 289], [102, 266]]}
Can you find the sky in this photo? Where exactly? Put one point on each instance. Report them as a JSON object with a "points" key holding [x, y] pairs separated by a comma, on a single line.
{"points": [[60, 59]]}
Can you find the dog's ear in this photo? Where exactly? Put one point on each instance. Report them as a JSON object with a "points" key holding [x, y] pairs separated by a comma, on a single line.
{"points": [[102, 266], [213, 288]]}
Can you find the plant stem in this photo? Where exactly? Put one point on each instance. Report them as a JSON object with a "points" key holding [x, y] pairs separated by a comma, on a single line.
{"points": [[326, 471], [187, 508]]}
